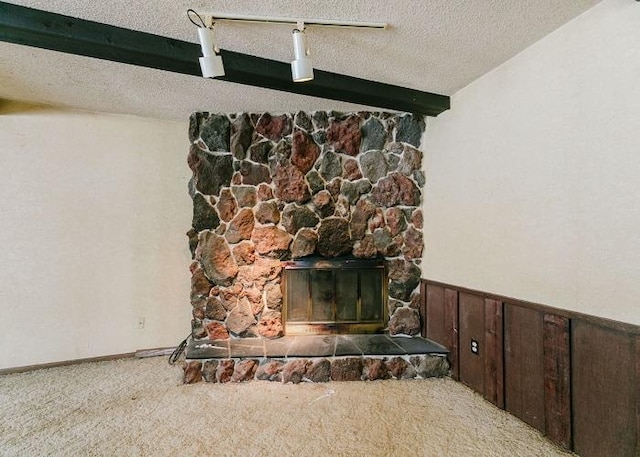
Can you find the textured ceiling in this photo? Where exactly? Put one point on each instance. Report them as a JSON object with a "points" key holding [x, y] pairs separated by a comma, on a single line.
{"points": [[432, 45]]}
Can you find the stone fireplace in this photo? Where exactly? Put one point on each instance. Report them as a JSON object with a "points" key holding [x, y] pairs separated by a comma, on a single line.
{"points": [[284, 209]]}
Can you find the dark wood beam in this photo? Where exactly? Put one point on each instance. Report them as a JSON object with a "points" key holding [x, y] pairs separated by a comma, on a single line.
{"points": [[42, 29]]}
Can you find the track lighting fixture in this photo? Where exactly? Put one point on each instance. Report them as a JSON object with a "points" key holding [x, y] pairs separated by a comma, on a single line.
{"points": [[211, 62], [301, 67]]}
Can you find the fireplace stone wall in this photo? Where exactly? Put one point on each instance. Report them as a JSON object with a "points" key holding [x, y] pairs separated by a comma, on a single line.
{"points": [[268, 188]]}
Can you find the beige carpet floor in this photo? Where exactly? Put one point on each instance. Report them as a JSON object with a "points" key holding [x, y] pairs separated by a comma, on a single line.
{"points": [[138, 407]]}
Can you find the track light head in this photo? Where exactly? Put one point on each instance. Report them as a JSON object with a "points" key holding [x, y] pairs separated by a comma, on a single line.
{"points": [[301, 67], [210, 62]]}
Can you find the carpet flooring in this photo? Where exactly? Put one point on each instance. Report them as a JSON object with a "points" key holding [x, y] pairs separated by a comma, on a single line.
{"points": [[138, 407]]}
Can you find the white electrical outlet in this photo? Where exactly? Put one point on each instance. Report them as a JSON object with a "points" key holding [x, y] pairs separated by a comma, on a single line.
{"points": [[140, 323]]}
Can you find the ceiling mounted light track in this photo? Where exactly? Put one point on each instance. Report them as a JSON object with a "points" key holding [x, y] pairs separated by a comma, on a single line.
{"points": [[210, 63], [301, 66]]}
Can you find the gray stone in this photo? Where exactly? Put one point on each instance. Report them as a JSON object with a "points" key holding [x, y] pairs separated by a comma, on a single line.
{"points": [[320, 119], [211, 171], [215, 132], [316, 183], [373, 165], [259, 152], [197, 329], [245, 196], [209, 370], [418, 177], [319, 371], [409, 129], [304, 244], [411, 161], [254, 174], [405, 321], [358, 225], [347, 369], [330, 166], [334, 187], [353, 189], [374, 135], [241, 133], [215, 310], [216, 259], [320, 137], [280, 156], [192, 234], [303, 121], [393, 161], [430, 366], [274, 296], [343, 207], [205, 216], [240, 318], [295, 217], [333, 237], [241, 227], [267, 213], [385, 244], [404, 277], [195, 121]]}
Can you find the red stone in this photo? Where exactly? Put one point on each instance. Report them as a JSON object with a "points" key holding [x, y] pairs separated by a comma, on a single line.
{"points": [[304, 151], [396, 221], [413, 244], [264, 192], [323, 203], [351, 170], [215, 310], [274, 127], [416, 219], [290, 184], [216, 331], [365, 248], [271, 240], [192, 372], [345, 135], [395, 189], [244, 253], [375, 369], [274, 296], [240, 318], [270, 324], [227, 205], [294, 371], [244, 370], [216, 259], [267, 213], [348, 369], [269, 371], [399, 368], [377, 220], [224, 372], [241, 227], [200, 285], [405, 321]]}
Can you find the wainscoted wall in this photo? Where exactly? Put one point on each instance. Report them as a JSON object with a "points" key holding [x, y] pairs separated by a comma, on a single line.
{"points": [[574, 377], [268, 188]]}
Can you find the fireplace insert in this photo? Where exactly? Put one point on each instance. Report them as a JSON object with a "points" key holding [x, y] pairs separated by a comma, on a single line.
{"points": [[343, 295]]}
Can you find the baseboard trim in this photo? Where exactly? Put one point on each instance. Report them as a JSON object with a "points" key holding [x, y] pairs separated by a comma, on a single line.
{"points": [[64, 363]]}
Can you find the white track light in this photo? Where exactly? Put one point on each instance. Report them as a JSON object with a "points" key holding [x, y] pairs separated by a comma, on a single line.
{"points": [[301, 67], [211, 63]]}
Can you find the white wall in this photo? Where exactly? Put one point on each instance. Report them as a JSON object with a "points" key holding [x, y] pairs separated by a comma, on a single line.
{"points": [[93, 215], [533, 177]]}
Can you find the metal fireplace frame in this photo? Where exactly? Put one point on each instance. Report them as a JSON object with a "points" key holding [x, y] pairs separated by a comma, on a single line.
{"points": [[335, 326]]}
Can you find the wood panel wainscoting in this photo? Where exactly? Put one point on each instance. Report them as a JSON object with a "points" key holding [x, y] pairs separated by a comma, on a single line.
{"points": [[573, 376]]}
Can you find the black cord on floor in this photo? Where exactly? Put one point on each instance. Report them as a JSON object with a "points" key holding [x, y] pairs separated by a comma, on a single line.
{"points": [[175, 355]]}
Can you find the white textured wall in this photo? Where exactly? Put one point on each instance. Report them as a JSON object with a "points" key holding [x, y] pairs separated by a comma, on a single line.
{"points": [[93, 215], [533, 177]]}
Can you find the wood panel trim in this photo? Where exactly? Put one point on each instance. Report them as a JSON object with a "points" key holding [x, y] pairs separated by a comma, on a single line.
{"points": [[64, 363], [451, 326], [494, 359], [557, 379], [619, 326]]}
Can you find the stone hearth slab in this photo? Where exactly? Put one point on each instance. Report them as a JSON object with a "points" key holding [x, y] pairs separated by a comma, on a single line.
{"points": [[419, 346], [247, 347], [313, 346]]}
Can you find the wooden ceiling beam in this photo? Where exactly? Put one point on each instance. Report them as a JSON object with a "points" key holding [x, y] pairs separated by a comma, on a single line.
{"points": [[43, 29]]}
